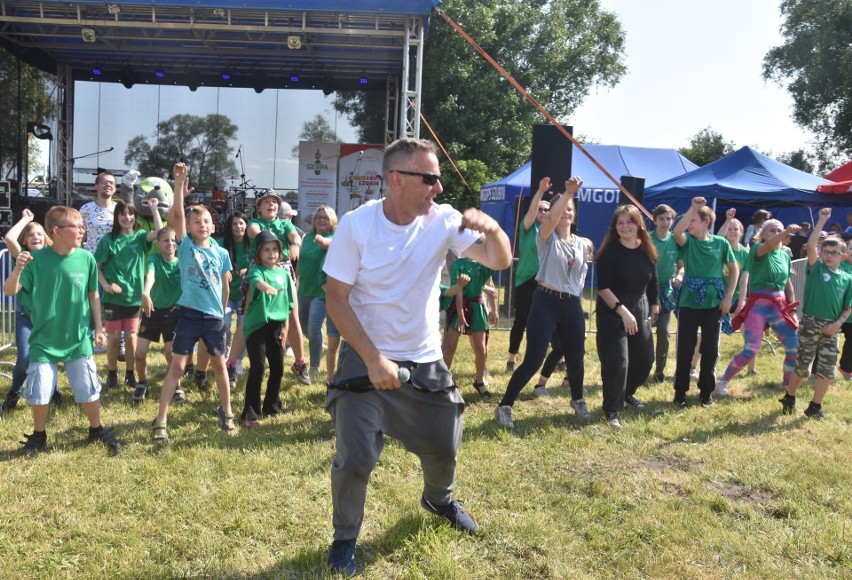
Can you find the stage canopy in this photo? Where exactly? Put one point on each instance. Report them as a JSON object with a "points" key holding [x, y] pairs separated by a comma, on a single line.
{"points": [[599, 196]]}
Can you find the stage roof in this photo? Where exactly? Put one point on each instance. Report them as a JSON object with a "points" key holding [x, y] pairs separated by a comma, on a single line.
{"points": [[256, 44]]}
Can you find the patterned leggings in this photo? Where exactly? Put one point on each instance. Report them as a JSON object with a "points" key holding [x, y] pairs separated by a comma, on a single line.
{"points": [[765, 312]]}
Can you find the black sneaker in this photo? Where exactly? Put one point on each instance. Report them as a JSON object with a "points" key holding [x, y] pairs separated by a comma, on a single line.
{"points": [[112, 381], [57, 399], [9, 403], [453, 513], [34, 443], [707, 400], [105, 436], [201, 381], [187, 372], [659, 377], [341, 557], [788, 404], [510, 366], [679, 401], [140, 390], [634, 402], [130, 379], [815, 411], [232, 375]]}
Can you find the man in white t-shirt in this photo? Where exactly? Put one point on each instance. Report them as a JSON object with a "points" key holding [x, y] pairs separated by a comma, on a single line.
{"points": [[98, 214], [382, 293]]}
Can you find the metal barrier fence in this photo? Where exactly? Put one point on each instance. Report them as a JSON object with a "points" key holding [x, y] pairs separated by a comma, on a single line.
{"points": [[798, 279], [7, 305]]}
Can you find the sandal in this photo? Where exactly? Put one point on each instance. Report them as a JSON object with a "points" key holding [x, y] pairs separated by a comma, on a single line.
{"points": [[226, 422], [482, 390], [161, 434]]}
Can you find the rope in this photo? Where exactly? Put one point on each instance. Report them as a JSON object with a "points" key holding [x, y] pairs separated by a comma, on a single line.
{"points": [[542, 110], [441, 145]]}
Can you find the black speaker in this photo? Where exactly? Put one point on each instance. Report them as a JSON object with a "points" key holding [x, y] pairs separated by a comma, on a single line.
{"points": [[551, 156], [636, 187]]}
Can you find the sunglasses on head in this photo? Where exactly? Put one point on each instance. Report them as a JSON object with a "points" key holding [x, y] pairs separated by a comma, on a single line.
{"points": [[428, 178]]}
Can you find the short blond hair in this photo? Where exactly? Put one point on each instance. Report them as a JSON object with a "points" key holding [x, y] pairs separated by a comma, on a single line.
{"points": [[58, 215]]}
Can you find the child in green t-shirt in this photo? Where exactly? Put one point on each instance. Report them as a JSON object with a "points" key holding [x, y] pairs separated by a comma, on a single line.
{"points": [[667, 250], [159, 306], [826, 305], [704, 297], [62, 284], [269, 301]]}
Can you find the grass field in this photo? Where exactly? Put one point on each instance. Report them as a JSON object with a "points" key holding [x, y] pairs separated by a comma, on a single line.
{"points": [[736, 490]]}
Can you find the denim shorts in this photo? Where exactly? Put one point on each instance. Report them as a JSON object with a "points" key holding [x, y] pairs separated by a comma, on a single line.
{"points": [[42, 378], [192, 326]]}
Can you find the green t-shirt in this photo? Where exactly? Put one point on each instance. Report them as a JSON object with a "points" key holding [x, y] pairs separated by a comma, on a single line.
{"points": [[846, 267], [527, 254], [770, 272], [281, 228], [311, 260], [263, 307], [59, 287], [704, 260], [166, 290], [478, 273], [667, 251], [827, 292], [122, 260], [242, 256], [741, 255]]}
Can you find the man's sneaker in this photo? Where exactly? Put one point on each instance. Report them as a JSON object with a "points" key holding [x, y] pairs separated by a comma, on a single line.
{"points": [[634, 402], [140, 391], [612, 419], [722, 388], [580, 408], [788, 404], [301, 372], [693, 372], [659, 377], [314, 373], [679, 401], [510, 366], [34, 443], [341, 557], [453, 513], [201, 381], [179, 396], [846, 376], [541, 391], [189, 370], [112, 381], [130, 379], [707, 400], [815, 411], [232, 375], [57, 399], [503, 414], [9, 403], [105, 436]]}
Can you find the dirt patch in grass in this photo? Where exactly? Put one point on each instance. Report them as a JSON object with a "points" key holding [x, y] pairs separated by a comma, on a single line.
{"points": [[739, 492], [660, 463]]}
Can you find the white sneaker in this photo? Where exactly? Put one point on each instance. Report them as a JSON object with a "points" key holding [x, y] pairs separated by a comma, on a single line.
{"points": [[503, 414], [722, 388], [240, 370], [541, 391], [693, 372], [612, 419], [289, 352]]}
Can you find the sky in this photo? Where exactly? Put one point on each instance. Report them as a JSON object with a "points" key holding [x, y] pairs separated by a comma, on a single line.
{"points": [[691, 64], [694, 64]]}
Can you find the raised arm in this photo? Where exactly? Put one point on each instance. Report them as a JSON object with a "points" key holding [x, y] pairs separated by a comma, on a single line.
{"points": [[572, 186], [12, 285], [775, 242], [813, 239], [729, 215], [154, 204], [679, 231], [493, 251], [177, 215], [11, 237], [532, 210]]}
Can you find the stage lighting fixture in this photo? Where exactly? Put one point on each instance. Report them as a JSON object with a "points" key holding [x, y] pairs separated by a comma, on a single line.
{"points": [[294, 42], [88, 34], [39, 131]]}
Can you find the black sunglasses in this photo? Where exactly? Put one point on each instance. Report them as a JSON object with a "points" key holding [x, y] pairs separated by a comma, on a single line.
{"points": [[428, 178]]}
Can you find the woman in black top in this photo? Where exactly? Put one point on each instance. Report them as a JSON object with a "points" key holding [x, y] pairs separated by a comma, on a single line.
{"points": [[627, 285]]}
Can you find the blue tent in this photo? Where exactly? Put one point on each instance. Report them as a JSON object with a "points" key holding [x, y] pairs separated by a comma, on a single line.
{"points": [[599, 196], [749, 180]]}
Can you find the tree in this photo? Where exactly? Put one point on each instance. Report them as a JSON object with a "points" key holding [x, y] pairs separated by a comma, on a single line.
{"points": [[557, 49], [203, 142], [707, 146], [36, 106], [798, 159], [318, 130], [815, 66]]}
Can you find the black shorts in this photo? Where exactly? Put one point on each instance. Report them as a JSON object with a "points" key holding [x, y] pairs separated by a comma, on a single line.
{"points": [[161, 323], [116, 312]]}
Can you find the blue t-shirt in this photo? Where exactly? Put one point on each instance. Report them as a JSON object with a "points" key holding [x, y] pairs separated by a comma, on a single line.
{"points": [[201, 272]]}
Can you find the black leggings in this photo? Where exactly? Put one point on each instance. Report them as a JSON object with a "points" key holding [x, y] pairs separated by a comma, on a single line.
{"points": [[264, 345], [523, 301]]}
